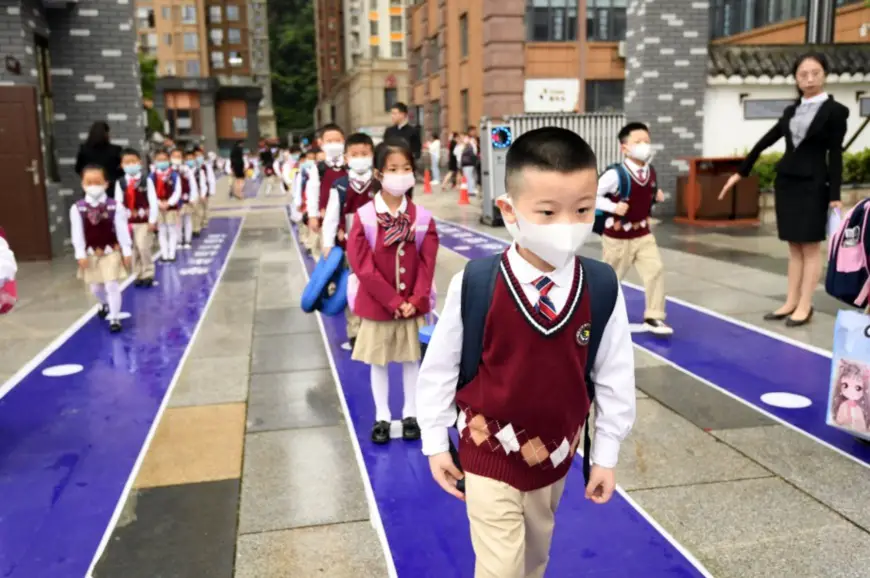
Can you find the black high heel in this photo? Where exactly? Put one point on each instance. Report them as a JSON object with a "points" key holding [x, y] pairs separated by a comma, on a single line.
{"points": [[774, 316], [791, 322]]}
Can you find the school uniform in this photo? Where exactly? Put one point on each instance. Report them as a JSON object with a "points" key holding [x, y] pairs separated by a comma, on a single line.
{"points": [[167, 185], [358, 191], [320, 180], [138, 196], [628, 241], [207, 188], [521, 416], [186, 203], [100, 234]]}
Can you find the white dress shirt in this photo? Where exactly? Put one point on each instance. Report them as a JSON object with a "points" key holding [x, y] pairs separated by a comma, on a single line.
{"points": [[210, 179], [8, 268], [121, 193], [176, 192], [185, 172], [332, 216], [77, 229], [612, 372], [608, 183], [312, 188]]}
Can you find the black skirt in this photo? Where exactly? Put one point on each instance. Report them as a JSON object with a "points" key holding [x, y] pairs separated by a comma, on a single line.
{"points": [[801, 208], [238, 170]]}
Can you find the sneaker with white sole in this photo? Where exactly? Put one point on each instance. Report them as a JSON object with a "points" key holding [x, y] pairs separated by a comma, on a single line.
{"points": [[658, 327]]}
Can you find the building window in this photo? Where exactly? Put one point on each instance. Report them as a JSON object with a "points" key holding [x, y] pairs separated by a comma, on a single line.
{"points": [[397, 49], [728, 17], [214, 14], [191, 68], [463, 36], [373, 28], [235, 59], [396, 3], [216, 36], [232, 12], [167, 39], [191, 41], [240, 125], [188, 14], [43, 66], [391, 97], [764, 109], [553, 20], [332, 113], [417, 64], [864, 107], [605, 95], [395, 23], [234, 36], [217, 59], [436, 116], [375, 51], [463, 103], [145, 18], [434, 55], [170, 69], [166, 12], [605, 20]]}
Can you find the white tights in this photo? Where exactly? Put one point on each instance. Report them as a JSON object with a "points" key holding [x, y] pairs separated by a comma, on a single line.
{"points": [[168, 239], [109, 294], [187, 229], [381, 390]]}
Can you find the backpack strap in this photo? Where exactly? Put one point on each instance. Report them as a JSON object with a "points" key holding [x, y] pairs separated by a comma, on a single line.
{"points": [[478, 285], [368, 218], [603, 289], [421, 225], [321, 168]]}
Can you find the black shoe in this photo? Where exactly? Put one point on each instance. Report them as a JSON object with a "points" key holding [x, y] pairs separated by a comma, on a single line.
{"points": [[410, 429], [115, 327], [657, 327], [774, 316], [138, 282], [381, 432], [103, 312], [148, 282], [792, 322], [196, 235], [352, 342]]}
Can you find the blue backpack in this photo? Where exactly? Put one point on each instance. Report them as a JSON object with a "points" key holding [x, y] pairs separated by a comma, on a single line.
{"points": [[624, 193], [848, 275], [478, 284]]}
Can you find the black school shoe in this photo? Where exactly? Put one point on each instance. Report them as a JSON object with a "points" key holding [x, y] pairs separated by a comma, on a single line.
{"points": [[103, 312], [381, 432], [115, 327], [657, 327], [410, 429]]}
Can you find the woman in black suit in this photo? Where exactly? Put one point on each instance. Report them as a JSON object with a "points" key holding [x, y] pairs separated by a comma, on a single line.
{"points": [[237, 165], [807, 185], [98, 150]]}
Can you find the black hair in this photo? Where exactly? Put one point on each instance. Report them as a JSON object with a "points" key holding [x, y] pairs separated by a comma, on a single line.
{"points": [[130, 152], [401, 107], [93, 167], [549, 149], [329, 127], [295, 148], [818, 57], [390, 147], [161, 152], [626, 131], [359, 138], [176, 150], [436, 135], [98, 134], [314, 151]]}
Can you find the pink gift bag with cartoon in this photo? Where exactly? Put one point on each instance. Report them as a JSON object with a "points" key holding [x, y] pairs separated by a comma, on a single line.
{"points": [[849, 400], [8, 268]]}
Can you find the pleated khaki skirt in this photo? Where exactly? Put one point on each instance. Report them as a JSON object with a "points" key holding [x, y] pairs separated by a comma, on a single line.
{"points": [[383, 342], [104, 269]]}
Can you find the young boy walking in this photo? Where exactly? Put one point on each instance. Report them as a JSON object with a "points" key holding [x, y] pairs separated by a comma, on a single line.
{"points": [[627, 192], [135, 192], [526, 342]]}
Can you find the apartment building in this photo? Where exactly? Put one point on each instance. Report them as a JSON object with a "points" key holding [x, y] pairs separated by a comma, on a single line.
{"points": [[362, 67], [212, 56]]}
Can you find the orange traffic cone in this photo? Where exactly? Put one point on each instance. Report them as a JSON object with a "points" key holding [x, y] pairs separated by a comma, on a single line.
{"points": [[463, 193], [427, 182]]}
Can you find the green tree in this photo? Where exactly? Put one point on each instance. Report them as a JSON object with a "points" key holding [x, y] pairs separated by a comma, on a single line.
{"points": [[148, 80], [294, 67]]}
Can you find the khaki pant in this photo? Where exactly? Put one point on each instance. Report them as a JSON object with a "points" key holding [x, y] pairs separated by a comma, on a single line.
{"points": [[200, 215], [510, 530], [143, 242], [643, 253]]}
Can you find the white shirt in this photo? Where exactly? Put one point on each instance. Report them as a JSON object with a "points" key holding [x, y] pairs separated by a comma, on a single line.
{"points": [[8, 268], [435, 148], [176, 193], [77, 229], [121, 193], [612, 372], [312, 188], [608, 183], [210, 178], [332, 218], [185, 172]]}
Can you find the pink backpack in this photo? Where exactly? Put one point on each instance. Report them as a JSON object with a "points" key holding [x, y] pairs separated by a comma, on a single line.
{"points": [[848, 276], [8, 290], [368, 218]]}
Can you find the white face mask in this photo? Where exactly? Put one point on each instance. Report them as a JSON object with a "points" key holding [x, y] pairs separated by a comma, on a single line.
{"points": [[95, 191], [175, 162], [641, 151], [333, 150], [397, 184], [555, 243], [360, 165]]}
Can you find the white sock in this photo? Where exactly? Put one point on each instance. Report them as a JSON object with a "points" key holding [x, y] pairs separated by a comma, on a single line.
{"points": [[173, 240], [381, 392], [163, 239], [187, 227], [113, 295], [409, 387], [99, 292]]}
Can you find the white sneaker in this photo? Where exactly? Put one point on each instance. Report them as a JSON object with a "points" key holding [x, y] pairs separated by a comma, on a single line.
{"points": [[435, 183], [658, 327]]}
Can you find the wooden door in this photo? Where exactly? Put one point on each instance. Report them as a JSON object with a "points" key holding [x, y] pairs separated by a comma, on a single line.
{"points": [[23, 206]]}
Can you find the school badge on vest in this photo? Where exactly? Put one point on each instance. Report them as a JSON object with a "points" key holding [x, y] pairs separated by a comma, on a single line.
{"points": [[583, 334]]}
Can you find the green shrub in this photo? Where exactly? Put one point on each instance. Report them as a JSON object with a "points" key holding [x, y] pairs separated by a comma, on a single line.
{"points": [[856, 168]]}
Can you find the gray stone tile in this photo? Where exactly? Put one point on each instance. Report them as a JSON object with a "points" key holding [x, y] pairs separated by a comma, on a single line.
{"points": [[759, 529], [727, 301], [236, 291], [757, 283], [283, 321], [231, 313], [807, 465], [293, 400], [340, 551], [643, 359], [214, 380], [667, 450], [287, 353], [222, 340], [236, 275], [297, 478], [702, 405]]}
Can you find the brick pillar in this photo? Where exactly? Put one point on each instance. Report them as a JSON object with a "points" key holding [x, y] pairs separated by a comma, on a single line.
{"points": [[504, 34], [666, 78], [442, 74]]}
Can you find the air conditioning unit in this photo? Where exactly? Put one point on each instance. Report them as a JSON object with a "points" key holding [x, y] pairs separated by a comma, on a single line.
{"points": [[620, 49]]}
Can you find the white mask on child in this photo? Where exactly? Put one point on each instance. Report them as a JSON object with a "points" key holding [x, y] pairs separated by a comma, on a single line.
{"points": [[360, 165], [555, 243], [641, 151], [333, 150], [94, 192], [397, 184]]}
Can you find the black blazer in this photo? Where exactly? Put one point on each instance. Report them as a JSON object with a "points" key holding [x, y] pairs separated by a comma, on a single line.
{"points": [[410, 134], [818, 157], [107, 156]]}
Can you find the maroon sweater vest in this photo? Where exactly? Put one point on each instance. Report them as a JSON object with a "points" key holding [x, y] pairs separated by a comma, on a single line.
{"points": [[326, 181], [99, 225], [184, 177], [136, 200], [525, 408], [639, 205], [353, 200]]}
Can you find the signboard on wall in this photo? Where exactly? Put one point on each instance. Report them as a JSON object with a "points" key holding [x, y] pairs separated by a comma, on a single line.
{"points": [[551, 94]]}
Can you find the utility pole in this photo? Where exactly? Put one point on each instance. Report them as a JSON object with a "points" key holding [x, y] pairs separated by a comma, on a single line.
{"points": [[820, 21]]}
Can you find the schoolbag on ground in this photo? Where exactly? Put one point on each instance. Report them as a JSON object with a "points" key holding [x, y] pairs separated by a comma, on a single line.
{"points": [[848, 275], [478, 285], [368, 218]]}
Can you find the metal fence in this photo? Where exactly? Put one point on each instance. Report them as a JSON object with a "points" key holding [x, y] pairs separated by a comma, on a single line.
{"points": [[599, 130]]}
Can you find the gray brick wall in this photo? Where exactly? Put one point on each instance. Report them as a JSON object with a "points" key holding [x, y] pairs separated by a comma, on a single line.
{"points": [[94, 75], [666, 77]]}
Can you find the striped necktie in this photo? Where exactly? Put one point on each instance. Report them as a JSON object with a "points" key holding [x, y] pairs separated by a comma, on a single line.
{"points": [[545, 305]]}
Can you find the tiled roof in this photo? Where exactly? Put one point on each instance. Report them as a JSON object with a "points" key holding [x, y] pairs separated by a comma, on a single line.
{"points": [[777, 60]]}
